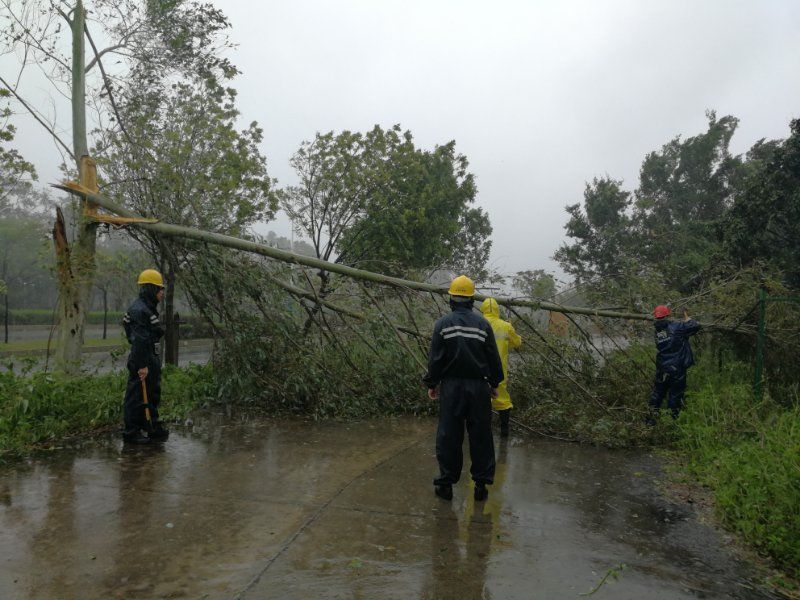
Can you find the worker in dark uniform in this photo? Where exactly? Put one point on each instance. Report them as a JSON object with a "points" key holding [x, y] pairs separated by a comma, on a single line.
{"points": [[464, 370], [673, 359], [143, 330]]}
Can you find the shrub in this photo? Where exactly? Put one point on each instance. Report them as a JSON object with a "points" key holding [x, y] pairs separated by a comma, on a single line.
{"points": [[749, 454], [41, 407]]}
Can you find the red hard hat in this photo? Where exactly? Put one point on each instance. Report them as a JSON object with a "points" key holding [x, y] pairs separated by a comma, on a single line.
{"points": [[661, 311]]}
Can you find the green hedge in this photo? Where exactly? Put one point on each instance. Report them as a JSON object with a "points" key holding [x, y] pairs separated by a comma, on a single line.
{"points": [[44, 408]]}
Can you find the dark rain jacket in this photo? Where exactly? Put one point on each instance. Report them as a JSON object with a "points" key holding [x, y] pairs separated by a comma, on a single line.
{"points": [[463, 345], [673, 352], [143, 329]]}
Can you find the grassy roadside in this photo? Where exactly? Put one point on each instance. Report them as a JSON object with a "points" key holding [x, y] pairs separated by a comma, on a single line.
{"points": [[44, 316], [748, 455], [44, 408], [41, 345]]}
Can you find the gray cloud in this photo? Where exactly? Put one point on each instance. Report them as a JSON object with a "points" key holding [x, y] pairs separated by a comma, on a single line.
{"points": [[541, 96]]}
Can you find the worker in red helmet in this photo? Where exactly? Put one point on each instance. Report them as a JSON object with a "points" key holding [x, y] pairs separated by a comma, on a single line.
{"points": [[673, 359]]}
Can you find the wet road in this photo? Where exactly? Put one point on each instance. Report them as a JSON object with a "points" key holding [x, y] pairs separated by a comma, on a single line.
{"points": [[191, 352], [331, 510], [42, 332]]}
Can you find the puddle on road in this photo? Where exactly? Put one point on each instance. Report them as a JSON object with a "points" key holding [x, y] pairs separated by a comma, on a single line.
{"points": [[295, 509]]}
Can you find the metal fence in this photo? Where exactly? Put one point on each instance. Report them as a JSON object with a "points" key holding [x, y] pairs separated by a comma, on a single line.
{"points": [[764, 299]]}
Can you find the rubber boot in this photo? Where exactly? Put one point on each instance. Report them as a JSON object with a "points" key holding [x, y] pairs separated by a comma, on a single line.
{"points": [[505, 416], [445, 492], [135, 438], [159, 433], [481, 493]]}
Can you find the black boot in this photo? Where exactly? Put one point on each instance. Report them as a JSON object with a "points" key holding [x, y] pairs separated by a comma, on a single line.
{"points": [[135, 438], [505, 416], [445, 492], [159, 433], [481, 493]]}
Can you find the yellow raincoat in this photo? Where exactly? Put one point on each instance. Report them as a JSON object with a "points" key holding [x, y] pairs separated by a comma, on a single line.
{"points": [[506, 339]]}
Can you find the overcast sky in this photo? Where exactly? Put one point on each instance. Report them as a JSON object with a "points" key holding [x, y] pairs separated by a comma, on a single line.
{"points": [[540, 96]]}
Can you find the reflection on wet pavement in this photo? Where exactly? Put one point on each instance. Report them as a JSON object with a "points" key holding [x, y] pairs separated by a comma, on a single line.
{"points": [[293, 509]]}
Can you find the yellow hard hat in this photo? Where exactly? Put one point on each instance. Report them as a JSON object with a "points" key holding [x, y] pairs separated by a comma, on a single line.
{"points": [[151, 276], [462, 286]]}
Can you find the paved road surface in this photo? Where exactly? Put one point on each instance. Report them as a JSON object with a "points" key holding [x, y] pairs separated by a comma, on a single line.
{"points": [[330, 510], [191, 352], [42, 332]]}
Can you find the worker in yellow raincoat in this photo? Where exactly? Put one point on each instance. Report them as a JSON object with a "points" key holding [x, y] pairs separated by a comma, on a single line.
{"points": [[506, 339]]}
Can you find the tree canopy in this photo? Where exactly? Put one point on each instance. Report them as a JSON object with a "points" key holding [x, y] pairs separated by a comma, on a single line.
{"points": [[699, 213], [16, 173], [377, 200], [763, 225]]}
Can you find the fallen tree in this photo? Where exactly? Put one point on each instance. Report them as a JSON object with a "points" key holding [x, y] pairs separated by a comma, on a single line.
{"points": [[309, 261]]}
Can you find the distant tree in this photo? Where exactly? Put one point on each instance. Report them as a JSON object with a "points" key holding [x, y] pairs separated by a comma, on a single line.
{"points": [[669, 236], [16, 173], [418, 212], [332, 192], [115, 279], [284, 243], [183, 160], [160, 41], [684, 191], [602, 229], [378, 201], [763, 225], [20, 233], [22, 240], [535, 283]]}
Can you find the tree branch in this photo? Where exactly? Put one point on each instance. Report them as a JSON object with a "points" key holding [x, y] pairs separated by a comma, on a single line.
{"points": [[32, 41], [36, 116], [64, 15], [106, 84]]}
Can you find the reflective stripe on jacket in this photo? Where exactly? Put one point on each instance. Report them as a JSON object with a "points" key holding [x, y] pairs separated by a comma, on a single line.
{"points": [[673, 351], [463, 345]]}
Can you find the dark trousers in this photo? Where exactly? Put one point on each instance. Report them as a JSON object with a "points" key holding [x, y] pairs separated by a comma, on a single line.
{"points": [[133, 406], [671, 384], [464, 402]]}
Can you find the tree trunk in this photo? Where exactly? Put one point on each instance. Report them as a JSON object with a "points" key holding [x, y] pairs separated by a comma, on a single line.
{"points": [[105, 312], [325, 278], [5, 319], [76, 265], [170, 354], [288, 257], [80, 143], [5, 274]]}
